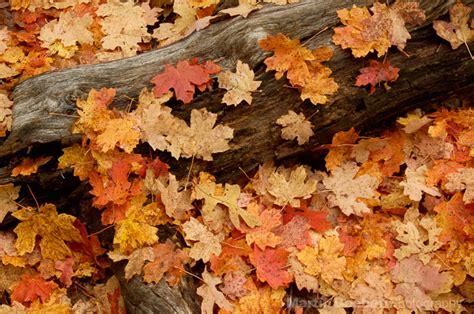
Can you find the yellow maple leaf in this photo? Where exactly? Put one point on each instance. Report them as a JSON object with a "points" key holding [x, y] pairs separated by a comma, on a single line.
{"points": [[207, 242], [324, 260], [137, 229], [53, 230], [263, 300], [210, 193]]}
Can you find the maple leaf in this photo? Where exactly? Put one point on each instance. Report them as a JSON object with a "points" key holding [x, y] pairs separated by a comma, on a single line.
{"points": [[208, 192], [137, 228], [121, 132], [243, 9], [31, 288], [29, 166], [207, 242], [200, 140], [414, 121], [302, 66], [176, 202], [295, 126], [239, 85], [340, 148], [210, 295], [457, 32], [317, 219], [302, 279], [414, 280], [231, 257], [375, 73], [286, 185], [462, 179], [235, 285], [6, 71], [415, 184], [455, 219], [8, 194], [124, 25], [294, 233], [4, 38], [263, 236], [324, 260], [168, 263], [69, 29], [136, 260], [364, 33], [262, 300], [65, 267], [347, 189], [5, 112], [419, 237], [184, 24], [52, 228], [184, 78], [90, 246], [270, 265]]}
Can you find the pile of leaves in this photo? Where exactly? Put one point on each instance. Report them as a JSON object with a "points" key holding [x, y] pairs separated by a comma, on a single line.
{"points": [[388, 224]]}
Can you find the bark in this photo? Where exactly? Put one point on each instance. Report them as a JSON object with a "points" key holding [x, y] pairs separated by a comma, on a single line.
{"points": [[430, 72]]}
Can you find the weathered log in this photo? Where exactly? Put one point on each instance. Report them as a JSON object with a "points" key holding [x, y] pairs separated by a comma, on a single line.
{"points": [[430, 71]]}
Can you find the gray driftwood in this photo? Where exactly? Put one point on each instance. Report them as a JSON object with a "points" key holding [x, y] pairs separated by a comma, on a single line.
{"points": [[430, 72]]}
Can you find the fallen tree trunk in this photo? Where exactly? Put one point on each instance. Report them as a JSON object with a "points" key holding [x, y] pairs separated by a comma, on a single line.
{"points": [[430, 71]]}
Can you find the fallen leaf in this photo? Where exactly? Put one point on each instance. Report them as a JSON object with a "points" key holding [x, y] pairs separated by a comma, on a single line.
{"points": [[228, 198], [263, 236], [210, 295], [462, 179], [457, 32], [184, 78], [31, 288], [124, 26], [365, 33], [29, 166], [8, 194], [207, 242], [167, 263], [52, 228], [239, 85], [287, 185], [271, 266], [346, 189], [375, 73], [136, 260], [295, 126], [415, 184]]}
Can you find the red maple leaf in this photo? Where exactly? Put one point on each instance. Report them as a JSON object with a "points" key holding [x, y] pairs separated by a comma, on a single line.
{"points": [[375, 73], [184, 78], [271, 266], [31, 288], [316, 219], [89, 247], [65, 267]]}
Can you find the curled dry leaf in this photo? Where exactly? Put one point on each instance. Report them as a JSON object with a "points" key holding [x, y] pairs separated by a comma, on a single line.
{"points": [[239, 85], [29, 166], [295, 126], [457, 32]]}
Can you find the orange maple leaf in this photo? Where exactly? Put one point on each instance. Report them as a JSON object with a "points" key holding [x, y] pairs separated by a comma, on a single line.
{"points": [[302, 66], [375, 73], [31, 288], [184, 78], [29, 166], [168, 263]]}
